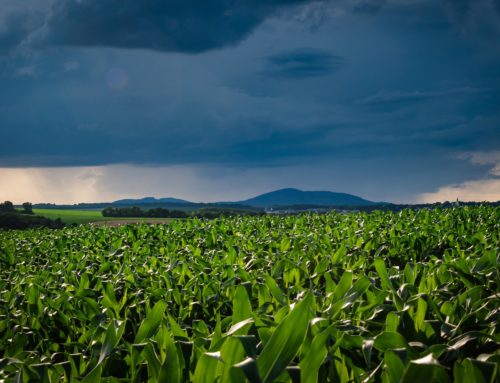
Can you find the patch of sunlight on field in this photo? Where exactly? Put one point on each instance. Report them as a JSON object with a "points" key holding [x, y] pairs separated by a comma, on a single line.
{"points": [[70, 216]]}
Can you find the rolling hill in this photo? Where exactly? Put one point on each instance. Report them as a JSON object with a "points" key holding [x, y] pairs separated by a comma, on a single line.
{"points": [[290, 197], [150, 200], [282, 197]]}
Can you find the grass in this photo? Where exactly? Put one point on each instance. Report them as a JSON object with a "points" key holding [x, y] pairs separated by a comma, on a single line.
{"points": [[72, 216], [69, 216]]}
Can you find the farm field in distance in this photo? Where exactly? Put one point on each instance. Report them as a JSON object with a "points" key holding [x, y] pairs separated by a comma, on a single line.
{"points": [[364, 297], [70, 216]]}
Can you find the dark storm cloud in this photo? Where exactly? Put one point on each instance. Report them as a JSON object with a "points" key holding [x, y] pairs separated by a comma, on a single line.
{"points": [[377, 83], [497, 5], [16, 27], [369, 6], [189, 26], [177, 25], [301, 63], [475, 17], [464, 8], [400, 97]]}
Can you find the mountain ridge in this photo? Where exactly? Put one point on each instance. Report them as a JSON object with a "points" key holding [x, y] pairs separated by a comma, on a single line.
{"points": [[275, 198], [150, 200], [293, 196]]}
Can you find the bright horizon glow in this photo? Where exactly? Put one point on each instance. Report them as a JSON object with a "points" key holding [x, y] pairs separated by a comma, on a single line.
{"points": [[73, 185]]}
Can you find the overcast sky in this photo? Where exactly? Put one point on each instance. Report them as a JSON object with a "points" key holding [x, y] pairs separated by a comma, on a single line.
{"points": [[391, 100]]}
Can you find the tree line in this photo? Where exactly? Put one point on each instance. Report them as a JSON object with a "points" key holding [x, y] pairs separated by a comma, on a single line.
{"points": [[12, 218], [209, 213], [8, 207], [137, 212]]}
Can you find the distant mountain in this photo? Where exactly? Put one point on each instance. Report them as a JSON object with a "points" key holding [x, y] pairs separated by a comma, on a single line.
{"points": [[290, 197], [150, 200], [282, 197]]}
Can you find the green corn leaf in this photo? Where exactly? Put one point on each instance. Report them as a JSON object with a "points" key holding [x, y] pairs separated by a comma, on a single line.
{"points": [[285, 244], [339, 254], [394, 366], [151, 323], [206, 368], [285, 341], [470, 370], [152, 360], [242, 308], [426, 369], [177, 330], [111, 338], [310, 364], [93, 376], [232, 352], [367, 351], [343, 286], [420, 314], [389, 341], [239, 326], [170, 370], [250, 369], [392, 322], [249, 343], [383, 274], [276, 291]]}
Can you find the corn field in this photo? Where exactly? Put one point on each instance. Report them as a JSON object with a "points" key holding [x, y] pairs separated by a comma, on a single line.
{"points": [[379, 297]]}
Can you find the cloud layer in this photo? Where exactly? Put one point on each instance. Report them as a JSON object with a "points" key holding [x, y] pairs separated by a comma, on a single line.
{"points": [[485, 158], [303, 63], [191, 26], [377, 95], [479, 190], [485, 189]]}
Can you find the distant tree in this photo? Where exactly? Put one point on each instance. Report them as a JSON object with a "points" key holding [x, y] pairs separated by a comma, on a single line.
{"points": [[7, 206], [21, 221], [135, 211], [28, 208], [108, 212], [178, 214]]}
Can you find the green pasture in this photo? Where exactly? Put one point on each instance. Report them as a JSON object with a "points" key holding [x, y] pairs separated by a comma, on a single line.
{"points": [[72, 216], [69, 216]]}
